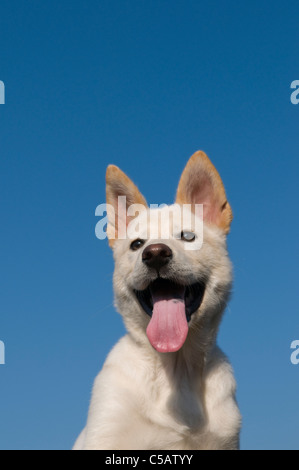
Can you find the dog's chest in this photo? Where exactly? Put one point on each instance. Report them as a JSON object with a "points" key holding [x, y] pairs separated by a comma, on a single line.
{"points": [[173, 408]]}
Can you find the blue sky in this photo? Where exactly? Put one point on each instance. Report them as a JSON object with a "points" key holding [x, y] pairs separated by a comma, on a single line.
{"points": [[142, 84]]}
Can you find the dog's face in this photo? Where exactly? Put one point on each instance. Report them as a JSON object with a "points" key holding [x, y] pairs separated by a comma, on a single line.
{"points": [[172, 273]]}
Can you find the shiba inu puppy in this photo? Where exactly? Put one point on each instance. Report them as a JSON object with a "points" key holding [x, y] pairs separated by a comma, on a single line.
{"points": [[166, 384]]}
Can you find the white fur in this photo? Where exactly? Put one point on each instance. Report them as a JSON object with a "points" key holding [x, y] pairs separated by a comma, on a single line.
{"points": [[143, 399]]}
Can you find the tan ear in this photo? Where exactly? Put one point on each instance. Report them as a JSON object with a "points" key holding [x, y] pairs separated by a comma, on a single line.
{"points": [[121, 193], [200, 183]]}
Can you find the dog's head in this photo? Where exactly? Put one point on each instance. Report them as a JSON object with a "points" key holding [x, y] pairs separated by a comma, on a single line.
{"points": [[172, 273]]}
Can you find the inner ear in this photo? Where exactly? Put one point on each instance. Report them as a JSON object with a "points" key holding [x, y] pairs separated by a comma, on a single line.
{"points": [[121, 194], [201, 183]]}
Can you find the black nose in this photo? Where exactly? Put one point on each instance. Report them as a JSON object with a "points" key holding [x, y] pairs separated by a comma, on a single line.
{"points": [[156, 255]]}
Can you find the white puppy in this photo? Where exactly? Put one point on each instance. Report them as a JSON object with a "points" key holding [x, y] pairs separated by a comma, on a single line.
{"points": [[166, 384]]}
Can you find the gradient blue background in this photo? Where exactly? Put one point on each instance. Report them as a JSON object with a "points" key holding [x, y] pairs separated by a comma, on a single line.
{"points": [[142, 84]]}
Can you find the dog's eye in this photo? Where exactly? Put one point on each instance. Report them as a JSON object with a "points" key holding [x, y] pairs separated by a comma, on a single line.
{"points": [[187, 236], [136, 244]]}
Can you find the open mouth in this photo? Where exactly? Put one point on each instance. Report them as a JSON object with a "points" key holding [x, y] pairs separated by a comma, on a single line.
{"points": [[170, 306], [193, 295]]}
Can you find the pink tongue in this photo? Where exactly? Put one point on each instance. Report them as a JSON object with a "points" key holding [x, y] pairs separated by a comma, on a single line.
{"points": [[168, 328]]}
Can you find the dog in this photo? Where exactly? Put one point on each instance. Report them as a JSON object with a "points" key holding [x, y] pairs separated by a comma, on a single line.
{"points": [[166, 385]]}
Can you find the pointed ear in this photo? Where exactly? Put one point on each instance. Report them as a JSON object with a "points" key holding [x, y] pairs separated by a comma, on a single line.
{"points": [[121, 193], [200, 183]]}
